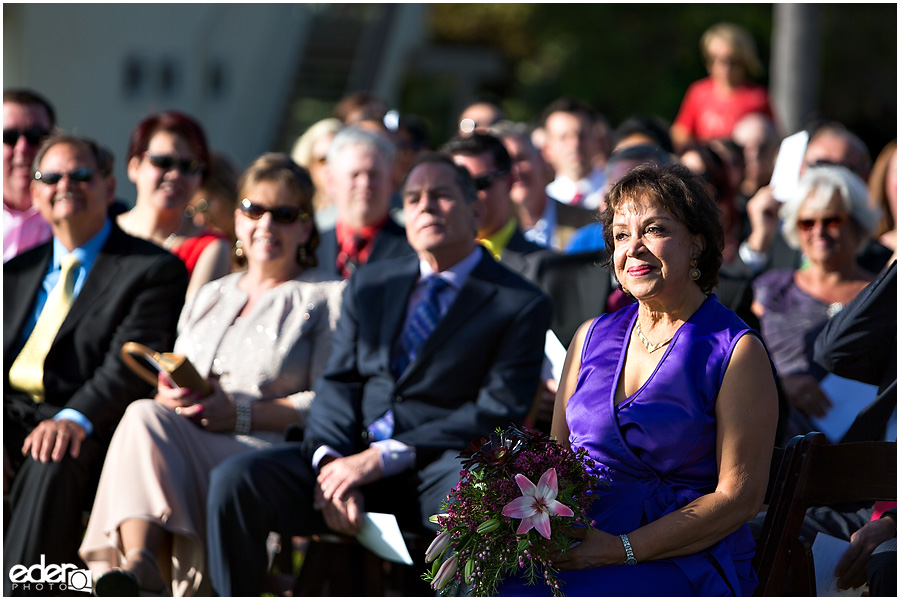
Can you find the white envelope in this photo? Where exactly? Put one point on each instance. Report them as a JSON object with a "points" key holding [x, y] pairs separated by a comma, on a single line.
{"points": [[786, 174], [381, 534]]}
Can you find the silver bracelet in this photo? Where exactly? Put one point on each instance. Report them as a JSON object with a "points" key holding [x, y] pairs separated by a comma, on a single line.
{"points": [[244, 419], [629, 553]]}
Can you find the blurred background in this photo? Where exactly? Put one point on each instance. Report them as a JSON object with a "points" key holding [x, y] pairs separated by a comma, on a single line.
{"points": [[256, 76]]}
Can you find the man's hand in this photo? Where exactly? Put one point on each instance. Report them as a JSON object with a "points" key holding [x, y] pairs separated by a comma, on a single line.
{"points": [[341, 475], [344, 516], [804, 394], [51, 439], [851, 569]]}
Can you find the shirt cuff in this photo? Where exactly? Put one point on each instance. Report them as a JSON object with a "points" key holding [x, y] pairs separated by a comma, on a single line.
{"points": [[320, 453], [753, 259], [396, 457], [70, 414]]}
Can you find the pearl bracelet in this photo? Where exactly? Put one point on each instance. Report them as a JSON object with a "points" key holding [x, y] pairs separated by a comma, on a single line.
{"points": [[244, 418]]}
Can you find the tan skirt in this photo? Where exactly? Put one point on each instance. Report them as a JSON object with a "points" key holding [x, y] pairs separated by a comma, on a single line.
{"points": [[158, 469]]}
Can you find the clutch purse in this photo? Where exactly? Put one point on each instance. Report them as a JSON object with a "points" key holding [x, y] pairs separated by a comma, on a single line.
{"points": [[176, 366]]}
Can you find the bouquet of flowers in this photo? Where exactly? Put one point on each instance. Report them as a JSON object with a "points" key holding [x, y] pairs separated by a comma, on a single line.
{"points": [[518, 492]]}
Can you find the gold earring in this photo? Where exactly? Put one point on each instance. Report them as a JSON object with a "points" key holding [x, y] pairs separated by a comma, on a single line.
{"points": [[694, 273], [239, 248]]}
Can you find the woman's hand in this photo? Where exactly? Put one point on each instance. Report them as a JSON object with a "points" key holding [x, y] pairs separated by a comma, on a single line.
{"points": [[597, 549], [215, 412], [174, 397], [804, 394]]}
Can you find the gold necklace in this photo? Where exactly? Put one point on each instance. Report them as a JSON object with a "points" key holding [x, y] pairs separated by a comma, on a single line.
{"points": [[650, 347]]}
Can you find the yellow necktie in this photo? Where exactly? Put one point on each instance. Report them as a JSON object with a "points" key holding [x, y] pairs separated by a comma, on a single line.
{"points": [[27, 370]]}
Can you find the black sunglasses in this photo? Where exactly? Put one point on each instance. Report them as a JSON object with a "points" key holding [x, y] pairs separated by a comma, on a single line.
{"points": [[167, 162], [485, 181], [284, 215], [79, 175], [33, 136]]}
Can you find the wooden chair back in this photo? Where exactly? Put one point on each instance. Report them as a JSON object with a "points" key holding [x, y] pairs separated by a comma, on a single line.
{"points": [[814, 472]]}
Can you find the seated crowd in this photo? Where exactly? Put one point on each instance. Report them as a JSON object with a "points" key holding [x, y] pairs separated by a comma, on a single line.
{"points": [[364, 308]]}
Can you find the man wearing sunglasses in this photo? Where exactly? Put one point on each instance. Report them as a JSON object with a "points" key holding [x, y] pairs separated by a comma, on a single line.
{"points": [[359, 178], [27, 119], [487, 160], [69, 306]]}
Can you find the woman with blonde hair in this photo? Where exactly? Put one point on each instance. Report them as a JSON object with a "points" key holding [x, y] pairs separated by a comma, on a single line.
{"points": [[713, 105], [883, 194], [261, 337], [311, 151]]}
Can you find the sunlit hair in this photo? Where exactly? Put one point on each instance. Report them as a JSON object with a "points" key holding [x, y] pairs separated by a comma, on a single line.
{"points": [[278, 168], [740, 40], [818, 185], [356, 136], [175, 123], [878, 188], [302, 152], [25, 97], [685, 196], [103, 158]]}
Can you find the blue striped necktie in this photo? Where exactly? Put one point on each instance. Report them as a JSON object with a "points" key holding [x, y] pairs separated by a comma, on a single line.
{"points": [[425, 318]]}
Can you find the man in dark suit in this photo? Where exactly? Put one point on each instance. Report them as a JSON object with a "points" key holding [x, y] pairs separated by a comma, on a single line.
{"points": [[544, 220], [388, 422], [60, 406], [487, 160], [359, 177]]}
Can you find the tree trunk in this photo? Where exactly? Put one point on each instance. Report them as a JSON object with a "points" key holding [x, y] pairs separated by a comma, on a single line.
{"points": [[795, 64]]}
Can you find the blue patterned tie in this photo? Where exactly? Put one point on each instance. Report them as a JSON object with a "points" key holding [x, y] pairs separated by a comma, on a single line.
{"points": [[423, 322]]}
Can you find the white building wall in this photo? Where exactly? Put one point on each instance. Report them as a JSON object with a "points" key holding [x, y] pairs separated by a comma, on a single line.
{"points": [[78, 56]]}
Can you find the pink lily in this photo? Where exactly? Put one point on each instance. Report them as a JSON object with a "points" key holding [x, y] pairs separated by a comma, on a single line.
{"points": [[536, 504]]}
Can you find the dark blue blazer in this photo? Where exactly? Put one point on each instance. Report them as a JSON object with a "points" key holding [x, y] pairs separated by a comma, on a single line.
{"points": [[390, 242], [478, 370]]}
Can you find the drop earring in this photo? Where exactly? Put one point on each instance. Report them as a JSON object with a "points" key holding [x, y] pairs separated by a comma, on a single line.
{"points": [[239, 248], [694, 273]]}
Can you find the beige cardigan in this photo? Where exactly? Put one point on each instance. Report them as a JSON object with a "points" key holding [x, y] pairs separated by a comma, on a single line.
{"points": [[278, 350]]}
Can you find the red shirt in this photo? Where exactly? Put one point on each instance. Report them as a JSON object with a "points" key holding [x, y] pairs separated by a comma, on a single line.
{"points": [[354, 247], [193, 247], [707, 113]]}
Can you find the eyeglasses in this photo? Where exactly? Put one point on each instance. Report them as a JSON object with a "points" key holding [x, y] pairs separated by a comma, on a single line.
{"points": [[79, 175], [284, 215], [832, 223], [32, 136], [485, 181], [167, 162]]}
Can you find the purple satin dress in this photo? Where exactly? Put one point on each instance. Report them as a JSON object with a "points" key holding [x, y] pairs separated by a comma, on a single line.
{"points": [[657, 451]]}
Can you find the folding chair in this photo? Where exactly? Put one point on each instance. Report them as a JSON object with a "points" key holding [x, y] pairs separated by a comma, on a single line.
{"points": [[815, 472]]}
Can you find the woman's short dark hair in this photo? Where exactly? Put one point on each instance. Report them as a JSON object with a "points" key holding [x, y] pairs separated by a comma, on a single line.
{"points": [[279, 168], [687, 197], [174, 122]]}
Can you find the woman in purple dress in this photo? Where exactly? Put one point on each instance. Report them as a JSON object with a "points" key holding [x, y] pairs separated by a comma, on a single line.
{"points": [[675, 402]]}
